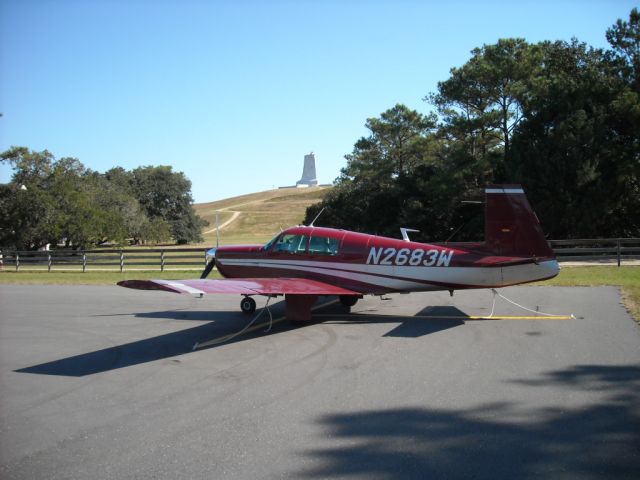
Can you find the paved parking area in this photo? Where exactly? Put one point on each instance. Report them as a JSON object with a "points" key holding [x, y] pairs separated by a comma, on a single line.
{"points": [[101, 382]]}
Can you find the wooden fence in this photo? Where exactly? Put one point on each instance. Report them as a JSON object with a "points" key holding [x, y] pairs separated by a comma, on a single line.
{"points": [[108, 260], [617, 249]]}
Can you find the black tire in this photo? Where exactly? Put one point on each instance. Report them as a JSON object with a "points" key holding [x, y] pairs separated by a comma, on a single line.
{"points": [[248, 305], [348, 300]]}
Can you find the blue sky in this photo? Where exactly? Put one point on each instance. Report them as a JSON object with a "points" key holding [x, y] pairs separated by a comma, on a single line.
{"points": [[235, 93]]}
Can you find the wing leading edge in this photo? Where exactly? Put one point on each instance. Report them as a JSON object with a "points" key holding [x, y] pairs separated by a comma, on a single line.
{"points": [[245, 286]]}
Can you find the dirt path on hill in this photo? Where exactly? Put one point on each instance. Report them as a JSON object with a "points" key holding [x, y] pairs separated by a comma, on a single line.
{"points": [[233, 218]]}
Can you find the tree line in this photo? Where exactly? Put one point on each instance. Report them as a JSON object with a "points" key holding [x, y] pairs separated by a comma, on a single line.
{"points": [[559, 117], [51, 200]]}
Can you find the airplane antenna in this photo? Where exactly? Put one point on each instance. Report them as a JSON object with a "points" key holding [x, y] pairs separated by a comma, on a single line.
{"points": [[217, 229], [405, 235], [317, 216]]}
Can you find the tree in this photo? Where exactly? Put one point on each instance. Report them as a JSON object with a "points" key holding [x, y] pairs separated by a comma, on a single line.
{"points": [[165, 194], [382, 187], [49, 201], [559, 117], [27, 219], [119, 186], [568, 152], [29, 167], [29, 216], [480, 102], [624, 38]]}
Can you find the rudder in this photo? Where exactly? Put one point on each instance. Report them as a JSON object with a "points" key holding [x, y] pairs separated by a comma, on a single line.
{"points": [[511, 226]]}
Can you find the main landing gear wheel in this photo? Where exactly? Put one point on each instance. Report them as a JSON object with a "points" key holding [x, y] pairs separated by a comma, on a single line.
{"points": [[348, 300], [248, 305]]}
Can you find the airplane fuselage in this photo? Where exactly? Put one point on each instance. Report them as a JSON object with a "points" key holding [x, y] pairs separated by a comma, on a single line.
{"points": [[371, 264], [303, 263]]}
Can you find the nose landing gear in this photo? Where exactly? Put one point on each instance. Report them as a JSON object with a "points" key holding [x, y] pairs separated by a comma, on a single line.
{"points": [[348, 300]]}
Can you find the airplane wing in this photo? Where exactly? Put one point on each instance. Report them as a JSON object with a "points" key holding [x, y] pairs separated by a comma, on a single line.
{"points": [[245, 286]]}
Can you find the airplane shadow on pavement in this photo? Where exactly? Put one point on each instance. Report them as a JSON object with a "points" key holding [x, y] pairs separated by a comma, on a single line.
{"points": [[220, 324], [439, 318], [427, 321]]}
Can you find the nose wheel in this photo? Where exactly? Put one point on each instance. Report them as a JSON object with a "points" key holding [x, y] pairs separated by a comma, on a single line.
{"points": [[348, 300], [248, 305]]}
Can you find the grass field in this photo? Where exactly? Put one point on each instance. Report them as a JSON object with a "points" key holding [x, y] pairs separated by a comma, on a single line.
{"points": [[94, 278], [259, 215], [627, 278]]}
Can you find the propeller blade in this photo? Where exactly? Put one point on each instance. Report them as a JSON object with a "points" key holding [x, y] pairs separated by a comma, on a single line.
{"points": [[208, 268], [211, 253]]}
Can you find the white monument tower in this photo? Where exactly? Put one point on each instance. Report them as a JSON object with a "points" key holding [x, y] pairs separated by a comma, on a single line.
{"points": [[308, 172]]}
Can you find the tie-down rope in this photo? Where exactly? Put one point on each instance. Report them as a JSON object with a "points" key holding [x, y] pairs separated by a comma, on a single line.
{"points": [[247, 326], [537, 312]]}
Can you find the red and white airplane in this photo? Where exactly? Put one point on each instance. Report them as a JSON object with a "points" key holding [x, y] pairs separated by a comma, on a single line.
{"points": [[303, 263]]}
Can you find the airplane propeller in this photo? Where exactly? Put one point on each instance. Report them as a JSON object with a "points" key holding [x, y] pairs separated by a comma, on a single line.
{"points": [[211, 253]]}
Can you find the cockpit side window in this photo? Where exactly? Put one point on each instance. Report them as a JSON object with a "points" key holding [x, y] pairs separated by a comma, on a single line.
{"points": [[323, 246], [291, 244]]}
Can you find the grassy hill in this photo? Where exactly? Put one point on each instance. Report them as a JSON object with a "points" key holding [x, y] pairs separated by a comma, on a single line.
{"points": [[257, 217]]}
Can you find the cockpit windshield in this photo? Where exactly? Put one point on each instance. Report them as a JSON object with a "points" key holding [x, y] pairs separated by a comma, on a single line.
{"points": [[287, 243], [268, 245], [291, 243]]}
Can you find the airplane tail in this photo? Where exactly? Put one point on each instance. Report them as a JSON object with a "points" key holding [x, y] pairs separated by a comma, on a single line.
{"points": [[511, 226]]}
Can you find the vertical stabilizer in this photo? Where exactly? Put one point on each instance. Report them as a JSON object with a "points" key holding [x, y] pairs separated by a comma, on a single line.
{"points": [[511, 226]]}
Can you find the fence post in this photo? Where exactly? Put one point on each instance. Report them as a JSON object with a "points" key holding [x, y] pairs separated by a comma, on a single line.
{"points": [[17, 262], [121, 261], [162, 260], [84, 261], [49, 262], [618, 250]]}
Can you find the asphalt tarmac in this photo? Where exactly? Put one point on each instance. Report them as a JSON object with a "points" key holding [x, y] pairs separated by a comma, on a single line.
{"points": [[101, 382]]}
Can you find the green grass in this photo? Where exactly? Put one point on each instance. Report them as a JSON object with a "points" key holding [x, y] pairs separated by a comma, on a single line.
{"points": [[597, 275], [627, 278], [93, 278]]}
